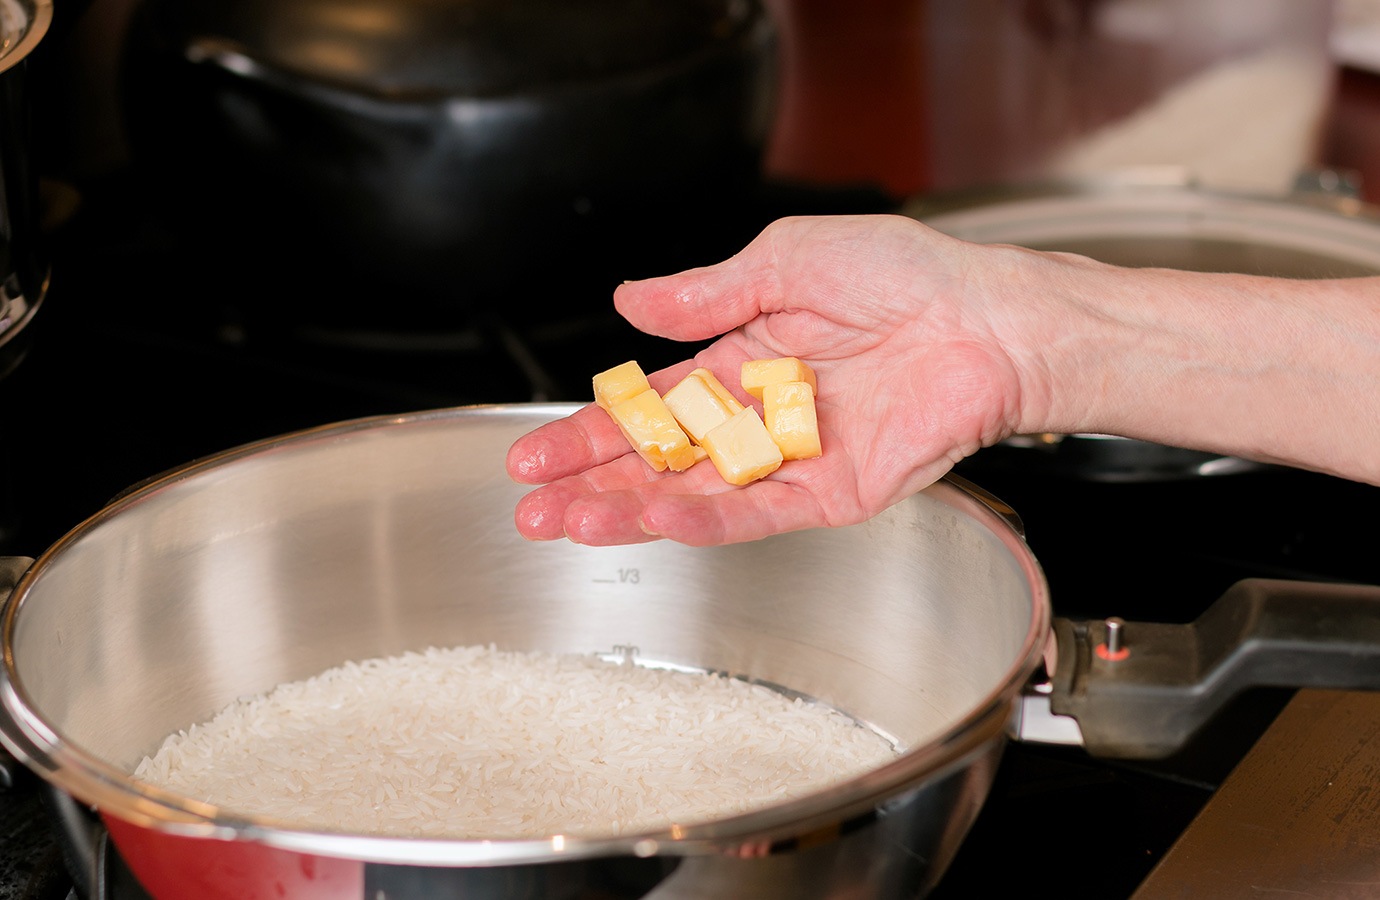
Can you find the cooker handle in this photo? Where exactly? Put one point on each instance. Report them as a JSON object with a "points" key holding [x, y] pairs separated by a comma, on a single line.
{"points": [[1141, 689], [233, 58]]}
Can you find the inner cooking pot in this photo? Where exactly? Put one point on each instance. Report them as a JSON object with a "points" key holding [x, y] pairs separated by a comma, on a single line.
{"points": [[273, 562]]}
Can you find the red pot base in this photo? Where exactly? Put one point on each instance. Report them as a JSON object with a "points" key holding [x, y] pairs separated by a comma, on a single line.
{"points": [[174, 867]]}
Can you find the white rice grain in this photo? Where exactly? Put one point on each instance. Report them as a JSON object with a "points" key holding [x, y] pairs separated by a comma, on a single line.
{"points": [[473, 742]]}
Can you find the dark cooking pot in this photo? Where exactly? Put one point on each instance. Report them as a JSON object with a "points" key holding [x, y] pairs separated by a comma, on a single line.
{"points": [[23, 271], [446, 152], [275, 561]]}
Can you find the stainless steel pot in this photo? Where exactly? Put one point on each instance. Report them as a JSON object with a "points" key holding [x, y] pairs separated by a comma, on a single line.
{"points": [[23, 271], [272, 562]]}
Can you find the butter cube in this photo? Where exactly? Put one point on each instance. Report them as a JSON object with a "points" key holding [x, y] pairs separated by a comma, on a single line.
{"points": [[759, 373], [741, 449], [652, 430], [717, 386], [620, 383], [789, 410], [683, 456], [697, 407]]}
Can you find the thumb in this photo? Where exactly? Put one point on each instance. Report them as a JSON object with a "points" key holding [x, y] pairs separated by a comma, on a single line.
{"points": [[700, 303]]}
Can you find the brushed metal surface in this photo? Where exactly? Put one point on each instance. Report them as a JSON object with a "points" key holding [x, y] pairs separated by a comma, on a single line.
{"points": [[273, 562]]}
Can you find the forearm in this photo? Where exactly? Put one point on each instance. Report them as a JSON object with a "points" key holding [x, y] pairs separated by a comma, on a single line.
{"points": [[1267, 369]]}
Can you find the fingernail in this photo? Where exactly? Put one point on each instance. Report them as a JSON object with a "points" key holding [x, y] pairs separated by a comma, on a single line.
{"points": [[645, 530]]}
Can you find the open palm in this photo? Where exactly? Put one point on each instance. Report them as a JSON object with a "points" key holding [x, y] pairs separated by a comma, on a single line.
{"points": [[911, 379]]}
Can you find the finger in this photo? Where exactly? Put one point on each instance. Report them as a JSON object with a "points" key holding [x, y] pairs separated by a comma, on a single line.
{"points": [[560, 448], [568, 509], [607, 519], [701, 303], [603, 505], [604, 514], [541, 515], [581, 441], [689, 306], [761, 509], [697, 511]]}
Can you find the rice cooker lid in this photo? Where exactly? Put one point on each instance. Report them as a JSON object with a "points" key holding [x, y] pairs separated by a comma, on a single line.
{"points": [[22, 25], [1303, 236]]}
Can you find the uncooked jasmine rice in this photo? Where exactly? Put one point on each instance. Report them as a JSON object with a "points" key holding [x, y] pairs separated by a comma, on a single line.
{"points": [[474, 742]]}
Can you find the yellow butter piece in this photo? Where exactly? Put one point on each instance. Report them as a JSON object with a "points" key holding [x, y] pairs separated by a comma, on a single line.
{"points": [[789, 411], [683, 456], [717, 386], [697, 407], [742, 450], [652, 430], [622, 382], [759, 373]]}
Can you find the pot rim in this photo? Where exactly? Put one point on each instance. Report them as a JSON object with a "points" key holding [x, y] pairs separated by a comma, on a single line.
{"points": [[25, 732], [1154, 202], [39, 17]]}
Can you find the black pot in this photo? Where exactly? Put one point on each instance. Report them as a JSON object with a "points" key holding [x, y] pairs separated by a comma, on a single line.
{"points": [[444, 152], [23, 270]]}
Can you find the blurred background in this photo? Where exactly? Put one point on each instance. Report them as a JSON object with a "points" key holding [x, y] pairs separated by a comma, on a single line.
{"points": [[229, 219], [223, 220], [372, 205]]}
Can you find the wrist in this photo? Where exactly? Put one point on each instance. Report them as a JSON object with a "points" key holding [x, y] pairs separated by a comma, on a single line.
{"points": [[1269, 369], [1052, 315]]}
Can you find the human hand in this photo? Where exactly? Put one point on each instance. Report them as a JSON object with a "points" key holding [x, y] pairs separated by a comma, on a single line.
{"points": [[912, 377]]}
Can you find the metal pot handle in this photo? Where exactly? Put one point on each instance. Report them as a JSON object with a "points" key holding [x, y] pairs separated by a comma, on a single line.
{"points": [[235, 59], [1143, 689]]}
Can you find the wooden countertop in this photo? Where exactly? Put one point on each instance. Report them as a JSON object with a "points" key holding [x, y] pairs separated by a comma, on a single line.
{"points": [[1300, 815]]}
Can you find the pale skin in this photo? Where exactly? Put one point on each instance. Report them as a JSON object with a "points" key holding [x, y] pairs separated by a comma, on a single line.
{"points": [[928, 348]]}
